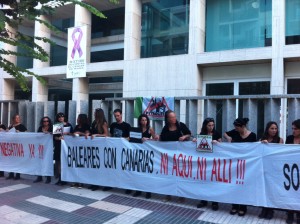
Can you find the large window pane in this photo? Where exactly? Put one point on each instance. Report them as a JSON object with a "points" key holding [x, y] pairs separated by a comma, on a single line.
{"points": [[237, 24], [292, 29], [165, 28]]}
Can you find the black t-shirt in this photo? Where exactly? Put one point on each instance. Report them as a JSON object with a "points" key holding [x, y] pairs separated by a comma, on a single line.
{"points": [[167, 135], [120, 130], [216, 135], [82, 129], [19, 127], [289, 139], [146, 134], [49, 130], [237, 138]]}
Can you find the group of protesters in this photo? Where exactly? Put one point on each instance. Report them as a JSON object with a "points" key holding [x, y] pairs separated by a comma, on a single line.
{"points": [[172, 131]]}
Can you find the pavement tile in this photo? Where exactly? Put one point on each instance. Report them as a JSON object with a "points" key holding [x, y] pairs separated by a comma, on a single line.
{"points": [[112, 207]]}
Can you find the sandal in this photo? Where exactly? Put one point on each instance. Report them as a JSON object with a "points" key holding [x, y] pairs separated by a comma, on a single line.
{"points": [[242, 213], [233, 211]]}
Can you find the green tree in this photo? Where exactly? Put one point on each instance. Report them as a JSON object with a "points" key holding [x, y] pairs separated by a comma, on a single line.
{"points": [[14, 13]]}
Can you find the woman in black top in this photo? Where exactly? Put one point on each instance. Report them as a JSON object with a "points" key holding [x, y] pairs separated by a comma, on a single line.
{"points": [[147, 133], [46, 127], [208, 128], [271, 135], [293, 139], [240, 133], [60, 118], [16, 124], [174, 130]]}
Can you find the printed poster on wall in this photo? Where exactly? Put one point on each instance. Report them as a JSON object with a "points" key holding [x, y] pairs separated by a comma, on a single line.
{"points": [[76, 64], [156, 107]]}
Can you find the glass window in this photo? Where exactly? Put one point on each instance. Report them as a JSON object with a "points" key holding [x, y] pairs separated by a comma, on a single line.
{"points": [[109, 55], [293, 86], [254, 88], [238, 24], [58, 55], [63, 24], [292, 26], [165, 28], [219, 89], [22, 61], [112, 25]]}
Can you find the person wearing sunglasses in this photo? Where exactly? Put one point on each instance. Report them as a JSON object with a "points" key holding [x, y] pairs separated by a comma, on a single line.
{"points": [[60, 117], [46, 127], [208, 128], [240, 133]]}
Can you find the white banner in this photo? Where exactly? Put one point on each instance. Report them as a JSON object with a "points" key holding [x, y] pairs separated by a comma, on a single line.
{"points": [[156, 107], [243, 173], [28, 153], [76, 62]]}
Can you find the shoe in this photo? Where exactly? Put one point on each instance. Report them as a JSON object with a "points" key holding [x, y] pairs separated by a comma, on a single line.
{"points": [[48, 180], [202, 204], [233, 211], [80, 186], [181, 200], [215, 206], [148, 195], [107, 188], [242, 213], [263, 213], [137, 193], [94, 188], [167, 198], [290, 217], [1, 173], [38, 179], [269, 215], [17, 177], [58, 182], [63, 183], [128, 192], [10, 176]]}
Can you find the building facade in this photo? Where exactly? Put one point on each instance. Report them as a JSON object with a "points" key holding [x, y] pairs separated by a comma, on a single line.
{"points": [[176, 48]]}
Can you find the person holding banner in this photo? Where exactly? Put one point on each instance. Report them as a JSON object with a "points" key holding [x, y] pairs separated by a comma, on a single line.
{"points": [[293, 139], [46, 127], [60, 118], [81, 129], [16, 126], [99, 126], [119, 129], [2, 128], [174, 131], [208, 128], [240, 133], [271, 135], [147, 133]]}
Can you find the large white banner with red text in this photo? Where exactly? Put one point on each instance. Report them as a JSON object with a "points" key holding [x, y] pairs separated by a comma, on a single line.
{"points": [[244, 173], [28, 153]]}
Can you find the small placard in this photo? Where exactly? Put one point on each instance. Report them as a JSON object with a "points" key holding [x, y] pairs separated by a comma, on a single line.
{"points": [[58, 128], [204, 143], [135, 135]]}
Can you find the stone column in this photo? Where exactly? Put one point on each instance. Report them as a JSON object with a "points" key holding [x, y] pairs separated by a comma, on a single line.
{"points": [[80, 87], [197, 26], [40, 91], [133, 27], [278, 42]]}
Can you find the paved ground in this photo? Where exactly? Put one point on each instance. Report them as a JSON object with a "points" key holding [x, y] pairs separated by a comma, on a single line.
{"points": [[22, 201]]}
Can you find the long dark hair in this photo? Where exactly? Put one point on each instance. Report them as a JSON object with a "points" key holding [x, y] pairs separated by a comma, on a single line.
{"points": [[49, 123], [204, 125], [99, 120], [83, 119], [265, 136], [140, 118]]}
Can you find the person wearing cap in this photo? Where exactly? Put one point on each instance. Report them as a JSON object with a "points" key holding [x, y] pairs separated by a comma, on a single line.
{"points": [[60, 118], [240, 133]]}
